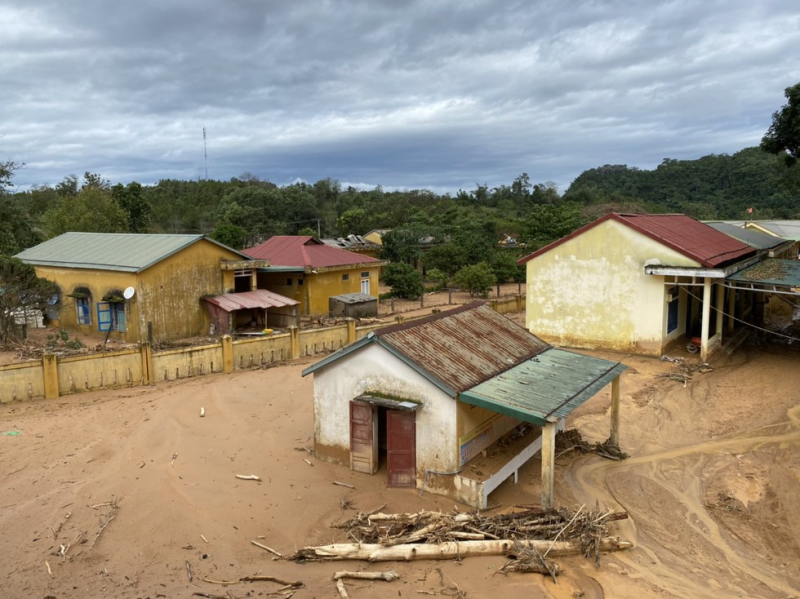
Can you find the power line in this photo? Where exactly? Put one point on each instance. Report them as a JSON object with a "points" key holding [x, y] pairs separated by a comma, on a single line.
{"points": [[749, 324]]}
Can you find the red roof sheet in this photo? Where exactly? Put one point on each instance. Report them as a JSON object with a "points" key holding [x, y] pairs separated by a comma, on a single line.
{"points": [[260, 298], [685, 235], [304, 251]]}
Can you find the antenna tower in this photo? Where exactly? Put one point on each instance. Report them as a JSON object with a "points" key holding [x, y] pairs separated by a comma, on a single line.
{"points": [[205, 152]]}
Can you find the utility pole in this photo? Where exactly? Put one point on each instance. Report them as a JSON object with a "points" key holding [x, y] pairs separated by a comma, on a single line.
{"points": [[319, 234], [205, 152]]}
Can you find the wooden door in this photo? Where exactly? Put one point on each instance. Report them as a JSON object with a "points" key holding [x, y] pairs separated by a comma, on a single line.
{"points": [[363, 437], [401, 448]]}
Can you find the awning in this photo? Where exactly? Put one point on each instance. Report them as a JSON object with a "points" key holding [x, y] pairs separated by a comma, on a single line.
{"points": [[771, 272], [551, 384], [260, 298], [392, 403]]}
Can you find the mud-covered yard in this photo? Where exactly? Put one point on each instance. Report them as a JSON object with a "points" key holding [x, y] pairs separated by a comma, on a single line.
{"points": [[112, 494]]}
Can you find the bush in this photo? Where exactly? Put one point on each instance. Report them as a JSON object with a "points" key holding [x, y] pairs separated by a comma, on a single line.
{"points": [[477, 279], [405, 280], [438, 278]]}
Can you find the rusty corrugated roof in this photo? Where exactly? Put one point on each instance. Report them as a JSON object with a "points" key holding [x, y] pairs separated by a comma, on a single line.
{"points": [[463, 347], [685, 235], [260, 298]]}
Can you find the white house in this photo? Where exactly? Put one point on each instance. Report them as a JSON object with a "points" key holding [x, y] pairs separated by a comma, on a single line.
{"points": [[420, 400]]}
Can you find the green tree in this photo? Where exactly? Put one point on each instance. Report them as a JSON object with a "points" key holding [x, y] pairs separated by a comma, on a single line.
{"points": [[307, 231], [16, 232], [91, 210], [20, 290], [352, 222], [783, 134], [404, 279], [549, 222], [135, 205], [504, 267], [231, 235], [478, 279], [438, 278], [445, 257], [400, 245], [7, 174]]}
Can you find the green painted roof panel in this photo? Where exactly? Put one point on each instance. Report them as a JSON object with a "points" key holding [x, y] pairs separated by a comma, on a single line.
{"points": [[553, 383], [772, 271], [124, 252]]}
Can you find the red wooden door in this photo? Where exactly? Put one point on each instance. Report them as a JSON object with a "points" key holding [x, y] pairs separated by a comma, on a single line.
{"points": [[363, 437], [401, 448]]}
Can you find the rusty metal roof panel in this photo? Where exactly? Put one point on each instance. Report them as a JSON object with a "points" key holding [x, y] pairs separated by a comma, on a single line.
{"points": [[772, 271], [551, 384], [260, 298], [463, 347]]}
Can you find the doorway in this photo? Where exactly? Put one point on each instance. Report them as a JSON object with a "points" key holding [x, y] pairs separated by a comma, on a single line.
{"points": [[373, 428]]}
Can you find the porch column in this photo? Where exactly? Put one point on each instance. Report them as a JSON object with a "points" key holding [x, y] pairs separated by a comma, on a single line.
{"points": [[614, 436], [720, 305], [731, 309], [548, 462], [706, 318]]}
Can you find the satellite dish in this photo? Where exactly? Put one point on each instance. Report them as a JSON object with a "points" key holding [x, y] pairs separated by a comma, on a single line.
{"points": [[128, 293]]}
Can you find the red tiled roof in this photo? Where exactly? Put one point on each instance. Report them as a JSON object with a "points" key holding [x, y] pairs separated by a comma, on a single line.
{"points": [[304, 251], [685, 235]]}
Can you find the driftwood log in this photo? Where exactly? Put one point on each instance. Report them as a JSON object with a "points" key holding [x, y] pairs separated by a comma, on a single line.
{"points": [[387, 576], [373, 552]]}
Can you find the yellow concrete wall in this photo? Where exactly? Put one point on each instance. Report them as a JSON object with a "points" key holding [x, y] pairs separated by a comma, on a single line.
{"points": [[99, 371], [591, 291], [19, 382], [316, 341], [477, 428], [261, 351], [169, 292], [185, 362]]}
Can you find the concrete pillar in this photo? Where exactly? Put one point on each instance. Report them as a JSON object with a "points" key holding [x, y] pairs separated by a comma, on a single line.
{"points": [[253, 279], [227, 354], [720, 305], [148, 377], [706, 318], [294, 334], [614, 436], [399, 319], [731, 309], [520, 302], [50, 375], [548, 463], [351, 330]]}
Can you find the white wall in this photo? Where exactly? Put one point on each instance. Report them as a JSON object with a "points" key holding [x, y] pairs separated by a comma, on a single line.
{"points": [[372, 368]]}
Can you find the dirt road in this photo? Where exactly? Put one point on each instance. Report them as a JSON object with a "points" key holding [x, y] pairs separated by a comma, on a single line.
{"points": [[117, 491]]}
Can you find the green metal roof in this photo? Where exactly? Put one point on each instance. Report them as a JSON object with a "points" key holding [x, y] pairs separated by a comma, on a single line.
{"points": [[124, 252], [772, 271], [551, 384]]}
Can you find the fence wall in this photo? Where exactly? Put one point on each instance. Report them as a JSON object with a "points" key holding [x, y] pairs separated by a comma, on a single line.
{"points": [[54, 376]]}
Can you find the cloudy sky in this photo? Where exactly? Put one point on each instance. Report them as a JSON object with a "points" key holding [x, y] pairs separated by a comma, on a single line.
{"points": [[437, 94]]}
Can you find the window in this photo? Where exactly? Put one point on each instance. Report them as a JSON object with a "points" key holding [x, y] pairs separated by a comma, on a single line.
{"points": [[345, 277], [365, 274], [111, 317], [289, 282], [299, 282], [84, 310]]}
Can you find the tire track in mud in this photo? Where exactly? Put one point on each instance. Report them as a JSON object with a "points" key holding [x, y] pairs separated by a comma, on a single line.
{"points": [[679, 473]]}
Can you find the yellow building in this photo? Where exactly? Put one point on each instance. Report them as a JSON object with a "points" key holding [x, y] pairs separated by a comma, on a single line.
{"points": [[637, 283], [140, 287], [311, 272]]}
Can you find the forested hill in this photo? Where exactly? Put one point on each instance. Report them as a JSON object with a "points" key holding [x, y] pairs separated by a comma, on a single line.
{"points": [[716, 186]]}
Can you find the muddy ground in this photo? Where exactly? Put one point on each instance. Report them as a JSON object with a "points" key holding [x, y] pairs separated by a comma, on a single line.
{"points": [[135, 485]]}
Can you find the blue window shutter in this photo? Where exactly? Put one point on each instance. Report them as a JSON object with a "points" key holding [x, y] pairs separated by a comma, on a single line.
{"points": [[103, 316], [121, 318]]}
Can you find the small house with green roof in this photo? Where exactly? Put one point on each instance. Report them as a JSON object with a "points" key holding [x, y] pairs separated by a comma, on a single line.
{"points": [[141, 287]]}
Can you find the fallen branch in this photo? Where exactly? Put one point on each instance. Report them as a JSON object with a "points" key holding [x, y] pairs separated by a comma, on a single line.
{"points": [[272, 551], [222, 582], [342, 590], [189, 573], [248, 477], [387, 576], [288, 584], [336, 482], [373, 552]]}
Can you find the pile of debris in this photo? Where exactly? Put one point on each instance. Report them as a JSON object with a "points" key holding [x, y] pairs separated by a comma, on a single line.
{"points": [[571, 440], [527, 536], [684, 369]]}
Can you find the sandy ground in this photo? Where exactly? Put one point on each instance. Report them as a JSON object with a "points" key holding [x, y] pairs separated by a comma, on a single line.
{"points": [[713, 489]]}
